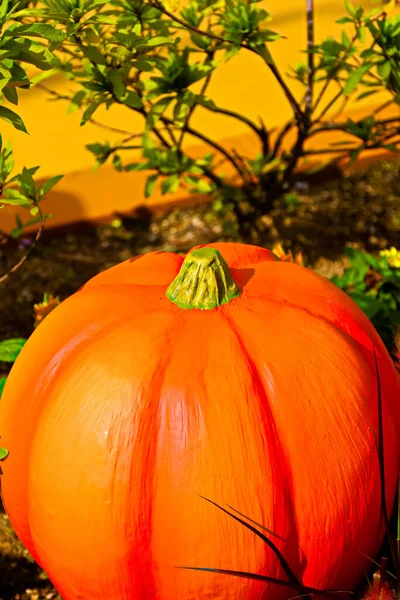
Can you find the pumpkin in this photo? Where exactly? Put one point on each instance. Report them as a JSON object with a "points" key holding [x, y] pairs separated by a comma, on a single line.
{"points": [[226, 375]]}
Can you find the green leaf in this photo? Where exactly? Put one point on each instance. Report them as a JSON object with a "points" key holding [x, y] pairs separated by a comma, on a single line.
{"points": [[3, 11], [170, 184], [91, 109], [115, 76], [3, 452], [41, 30], [157, 110], [354, 79], [148, 146], [362, 34], [132, 100], [12, 118], [25, 180], [76, 101], [354, 154], [93, 54], [11, 94], [144, 166], [351, 9], [43, 76], [117, 163], [205, 101], [156, 41], [14, 197], [9, 349], [16, 231], [344, 20], [19, 76], [368, 303], [48, 185], [204, 187], [263, 51], [150, 185], [384, 70], [2, 383], [230, 52]]}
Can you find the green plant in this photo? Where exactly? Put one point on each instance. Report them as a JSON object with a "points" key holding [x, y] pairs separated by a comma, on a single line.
{"points": [[133, 53], [22, 45], [373, 282], [9, 350]]}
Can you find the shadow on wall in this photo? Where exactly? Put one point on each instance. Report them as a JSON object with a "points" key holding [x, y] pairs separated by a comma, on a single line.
{"points": [[64, 206], [91, 195]]}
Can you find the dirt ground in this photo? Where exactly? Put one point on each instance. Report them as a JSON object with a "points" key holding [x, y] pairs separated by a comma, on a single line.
{"points": [[362, 209]]}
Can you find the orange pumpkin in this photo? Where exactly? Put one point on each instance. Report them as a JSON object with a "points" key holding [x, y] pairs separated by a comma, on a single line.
{"points": [[251, 382]]}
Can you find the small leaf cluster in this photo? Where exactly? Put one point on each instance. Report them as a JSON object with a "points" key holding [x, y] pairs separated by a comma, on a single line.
{"points": [[22, 45], [368, 58], [22, 190], [373, 282]]}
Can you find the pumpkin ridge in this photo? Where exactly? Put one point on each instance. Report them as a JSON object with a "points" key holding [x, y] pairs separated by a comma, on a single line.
{"points": [[146, 502], [260, 405], [147, 458], [28, 537], [49, 385], [321, 317], [296, 551]]}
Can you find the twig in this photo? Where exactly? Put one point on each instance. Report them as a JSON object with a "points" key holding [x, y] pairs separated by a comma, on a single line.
{"points": [[235, 115], [329, 105], [204, 87], [338, 127], [310, 47], [211, 143], [281, 137], [25, 257], [91, 120], [334, 72]]}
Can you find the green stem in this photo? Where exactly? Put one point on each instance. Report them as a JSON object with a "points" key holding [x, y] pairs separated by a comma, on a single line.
{"points": [[204, 281]]}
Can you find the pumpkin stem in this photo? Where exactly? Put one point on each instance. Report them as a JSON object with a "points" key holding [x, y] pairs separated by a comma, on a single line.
{"points": [[204, 281]]}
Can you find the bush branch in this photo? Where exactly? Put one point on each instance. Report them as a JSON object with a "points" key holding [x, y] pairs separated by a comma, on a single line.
{"points": [[22, 260]]}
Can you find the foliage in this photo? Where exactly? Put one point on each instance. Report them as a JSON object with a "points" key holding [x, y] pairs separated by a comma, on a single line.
{"points": [[23, 46], [9, 350], [158, 61], [21, 190], [374, 284]]}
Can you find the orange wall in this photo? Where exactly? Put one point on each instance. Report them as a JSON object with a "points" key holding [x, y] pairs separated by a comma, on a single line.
{"points": [[244, 84]]}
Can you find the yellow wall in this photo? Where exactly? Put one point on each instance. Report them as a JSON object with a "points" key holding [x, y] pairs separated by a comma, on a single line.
{"points": [[244, 84]]}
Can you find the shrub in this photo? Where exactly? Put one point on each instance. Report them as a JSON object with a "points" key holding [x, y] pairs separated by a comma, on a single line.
{"points": [[131, 53]]}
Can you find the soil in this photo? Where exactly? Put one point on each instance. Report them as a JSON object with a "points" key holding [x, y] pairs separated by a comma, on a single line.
{"points": [[362, 209]]}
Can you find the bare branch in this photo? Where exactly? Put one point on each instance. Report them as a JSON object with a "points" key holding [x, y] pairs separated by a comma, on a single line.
{"points": [[22, 260]]}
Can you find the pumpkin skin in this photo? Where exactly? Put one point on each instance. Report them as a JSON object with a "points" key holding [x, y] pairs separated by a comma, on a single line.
{"points": [[123, 409]]}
